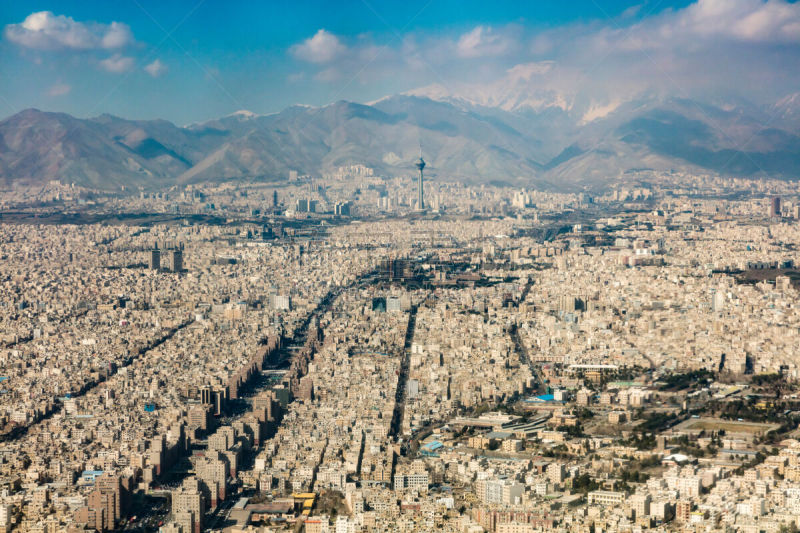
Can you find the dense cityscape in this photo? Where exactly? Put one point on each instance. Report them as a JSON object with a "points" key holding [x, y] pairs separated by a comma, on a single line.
{"points": [[430, 266], [329, 357]]}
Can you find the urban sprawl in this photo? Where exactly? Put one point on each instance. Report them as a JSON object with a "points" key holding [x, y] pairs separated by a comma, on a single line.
{"points": [[334, 355]]}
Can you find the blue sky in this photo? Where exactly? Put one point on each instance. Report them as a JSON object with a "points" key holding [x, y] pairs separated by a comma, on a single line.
{"points": [[192, 61]]}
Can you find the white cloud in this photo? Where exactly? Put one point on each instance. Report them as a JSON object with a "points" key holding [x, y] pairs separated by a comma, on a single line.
{"points": [[711, 48], [117, 36], [525, 71], [156, 68], [59, 89], [747, 20], [482, 41], [323, 47], [43, 30], [117, 63], [708, 22]]}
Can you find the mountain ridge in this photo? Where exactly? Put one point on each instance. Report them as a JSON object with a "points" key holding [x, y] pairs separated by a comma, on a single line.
{"points": [[462, 141]]}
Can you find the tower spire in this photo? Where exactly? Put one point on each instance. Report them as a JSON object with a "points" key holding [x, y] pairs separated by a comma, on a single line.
{"points": [[420, 165]]}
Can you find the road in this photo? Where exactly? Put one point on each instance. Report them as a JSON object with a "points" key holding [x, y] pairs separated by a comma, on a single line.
{"points": [[260, 382], [400, 393], [524, 357]]}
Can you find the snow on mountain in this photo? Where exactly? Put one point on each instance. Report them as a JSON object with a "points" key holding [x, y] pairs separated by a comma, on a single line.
{"points": [[524, 87]]}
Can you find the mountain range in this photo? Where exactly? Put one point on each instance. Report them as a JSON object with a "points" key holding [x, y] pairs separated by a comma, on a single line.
{"points": [[514, 134]]}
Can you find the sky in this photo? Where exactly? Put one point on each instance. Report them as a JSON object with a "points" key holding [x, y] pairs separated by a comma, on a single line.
{"points": [[193, 61]]}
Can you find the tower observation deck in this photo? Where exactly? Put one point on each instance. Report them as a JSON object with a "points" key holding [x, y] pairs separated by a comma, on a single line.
{"points": [[420, 165]]}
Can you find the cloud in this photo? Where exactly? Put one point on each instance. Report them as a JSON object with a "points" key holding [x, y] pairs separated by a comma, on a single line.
{"points": [[43, 30], [526, 71], [117, 64], [482, 41], [156, 68], [117, 36], [707, 23], [59, 89], [708, 50], [323, 47], [774, 21]]}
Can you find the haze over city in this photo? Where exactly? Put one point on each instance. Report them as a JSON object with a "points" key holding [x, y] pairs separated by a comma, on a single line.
{"points": [[362, 267]]}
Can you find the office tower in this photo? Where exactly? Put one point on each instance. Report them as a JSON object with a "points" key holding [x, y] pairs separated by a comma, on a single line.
{"points": [[175, 261], [420, 165], [155, 259], [274, 198], [775, 207]]}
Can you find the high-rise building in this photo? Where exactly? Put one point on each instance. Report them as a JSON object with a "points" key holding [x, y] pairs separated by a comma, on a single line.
{"points": [[187, 506], [341, 209], [212, 473], [775, 207], [108, 482], [104, 504], [302, 205], [175, 261], [206, 395], [155, 259], [199, 416]]}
